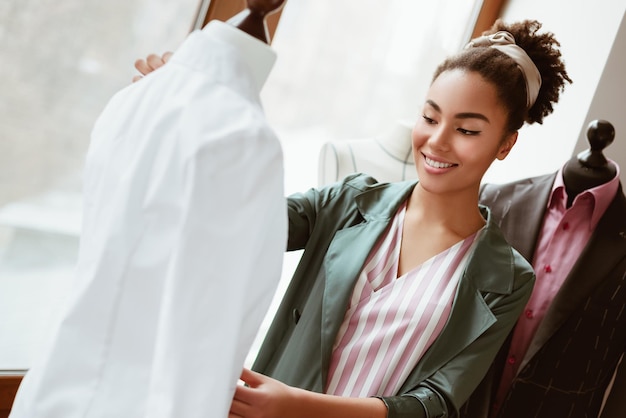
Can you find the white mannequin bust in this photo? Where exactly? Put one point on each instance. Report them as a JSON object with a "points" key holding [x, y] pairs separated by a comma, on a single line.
{"points": [[387, 158]]}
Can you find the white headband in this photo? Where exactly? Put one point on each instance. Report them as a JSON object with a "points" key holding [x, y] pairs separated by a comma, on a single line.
{"points": [[505, 42]]}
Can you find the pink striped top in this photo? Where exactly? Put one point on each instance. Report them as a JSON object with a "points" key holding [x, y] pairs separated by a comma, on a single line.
{"points": [[391, 321]]}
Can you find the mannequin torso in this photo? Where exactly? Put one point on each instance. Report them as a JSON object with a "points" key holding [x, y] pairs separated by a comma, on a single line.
{"points": [[387, 158], [551, 378]]}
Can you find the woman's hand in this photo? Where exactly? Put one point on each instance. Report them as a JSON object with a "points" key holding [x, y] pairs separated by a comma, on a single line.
{"points": [[264, 397], [151, 63]]}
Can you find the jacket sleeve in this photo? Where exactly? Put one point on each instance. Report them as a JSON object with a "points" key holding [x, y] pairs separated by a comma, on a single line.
{"points": [[302, 213], [307, 209], [423, 402], [447, 389]]}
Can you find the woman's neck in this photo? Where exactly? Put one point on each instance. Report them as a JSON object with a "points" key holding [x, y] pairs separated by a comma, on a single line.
{"points": [[458, 213]]}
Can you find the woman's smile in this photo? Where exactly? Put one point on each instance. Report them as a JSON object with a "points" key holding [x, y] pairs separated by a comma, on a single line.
{"points": [[437, 164]]}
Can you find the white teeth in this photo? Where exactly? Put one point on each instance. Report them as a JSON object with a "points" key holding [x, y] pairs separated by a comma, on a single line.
{"points": [[437, 164]]}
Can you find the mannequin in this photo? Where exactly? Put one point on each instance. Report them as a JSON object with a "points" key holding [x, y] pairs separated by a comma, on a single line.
{"points": [[567, 345], [590, 168], [150, 327], [387, 158]]}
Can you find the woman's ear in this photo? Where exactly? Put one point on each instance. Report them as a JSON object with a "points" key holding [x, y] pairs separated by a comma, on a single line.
{"points": [[506, 146]]}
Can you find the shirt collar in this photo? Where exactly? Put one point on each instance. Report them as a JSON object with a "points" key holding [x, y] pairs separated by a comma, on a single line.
{"points": [[601, 196], [258, 55]]}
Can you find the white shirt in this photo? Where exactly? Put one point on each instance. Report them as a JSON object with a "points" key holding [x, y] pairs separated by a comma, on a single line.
{"points": [[184, 230]]}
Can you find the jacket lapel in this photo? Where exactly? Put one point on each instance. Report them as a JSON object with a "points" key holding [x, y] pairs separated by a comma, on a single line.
{"points": [[606, 247], [470, 316], [342, 268]]}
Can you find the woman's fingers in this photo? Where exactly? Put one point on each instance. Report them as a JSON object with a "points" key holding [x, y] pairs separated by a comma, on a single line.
{"points": [[252, 379], [151, 63], [166, 56], [142, 66], [154, 61], [237, 409]]}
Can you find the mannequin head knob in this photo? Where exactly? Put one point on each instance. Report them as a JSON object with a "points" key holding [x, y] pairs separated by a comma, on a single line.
{"points": [[590, 168], [600, 134]]}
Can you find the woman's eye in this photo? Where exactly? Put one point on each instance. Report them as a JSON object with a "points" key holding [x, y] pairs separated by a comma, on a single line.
{"points": [[468, 132], [428, 120]]}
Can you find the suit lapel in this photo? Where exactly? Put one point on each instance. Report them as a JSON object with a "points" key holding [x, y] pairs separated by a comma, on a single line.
{"points": [[606, 247], [523, 222]]}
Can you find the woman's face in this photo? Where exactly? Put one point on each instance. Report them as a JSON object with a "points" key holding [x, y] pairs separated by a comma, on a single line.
{"points": [[460, 133]]}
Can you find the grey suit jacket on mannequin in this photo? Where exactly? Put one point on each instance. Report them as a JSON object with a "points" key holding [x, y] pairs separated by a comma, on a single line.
{"points": [[578, 345]]}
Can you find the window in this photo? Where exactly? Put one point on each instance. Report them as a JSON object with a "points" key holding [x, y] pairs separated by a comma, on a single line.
{"points": [[61, 62]]}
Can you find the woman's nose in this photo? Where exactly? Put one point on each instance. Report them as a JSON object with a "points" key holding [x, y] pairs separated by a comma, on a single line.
{"points": [[440, 138]]}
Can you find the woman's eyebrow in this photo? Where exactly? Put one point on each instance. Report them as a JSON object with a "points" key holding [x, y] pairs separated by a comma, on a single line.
{"points": [[464, 115], [471, 115], [433, 105]]}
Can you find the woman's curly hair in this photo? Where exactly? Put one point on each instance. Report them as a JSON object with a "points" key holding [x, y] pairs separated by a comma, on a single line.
{"points": [[500, 70]]}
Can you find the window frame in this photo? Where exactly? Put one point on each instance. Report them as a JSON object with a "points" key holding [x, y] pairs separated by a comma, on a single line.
{"points": [[208, 10]]}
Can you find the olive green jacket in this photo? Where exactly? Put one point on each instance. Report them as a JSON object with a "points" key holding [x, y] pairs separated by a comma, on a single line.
{"points": [[338, 226]]}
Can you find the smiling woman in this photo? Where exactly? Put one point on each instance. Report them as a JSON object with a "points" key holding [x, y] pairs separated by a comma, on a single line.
{"points": [[406, 291]]}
